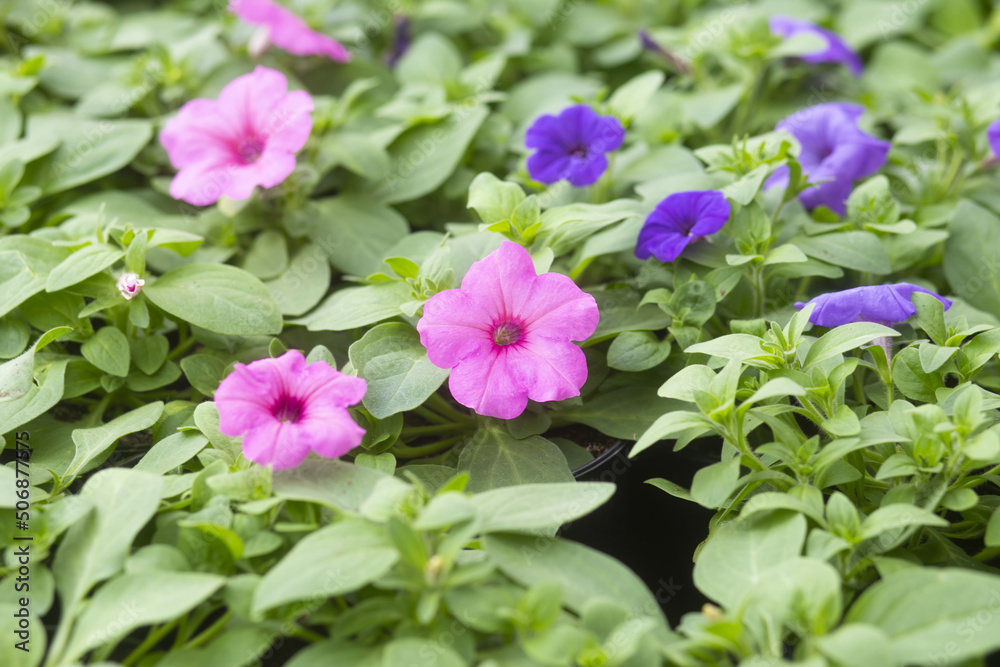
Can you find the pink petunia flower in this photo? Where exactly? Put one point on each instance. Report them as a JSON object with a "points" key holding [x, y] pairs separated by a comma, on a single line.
{"points": [[281, 27], [286, 407], [248, 137], [506, 334]]}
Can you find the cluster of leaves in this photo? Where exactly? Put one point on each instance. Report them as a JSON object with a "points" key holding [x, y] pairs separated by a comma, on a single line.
{"points": [[852, 484]]}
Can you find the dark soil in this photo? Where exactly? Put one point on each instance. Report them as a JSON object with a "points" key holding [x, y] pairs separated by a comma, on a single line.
{"points": [[590, 439]]}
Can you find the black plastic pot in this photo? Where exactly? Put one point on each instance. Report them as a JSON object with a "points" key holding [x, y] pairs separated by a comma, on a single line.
{"points": [[651, 532]]}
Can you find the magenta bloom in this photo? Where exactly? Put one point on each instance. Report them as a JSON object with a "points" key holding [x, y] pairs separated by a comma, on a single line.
{"points": [[835, 153], [248, 137], [678, 220], [836, 51], [287, 407], [884, 304], [287, 31], [993, 135], [506, 334], [572, 145]]}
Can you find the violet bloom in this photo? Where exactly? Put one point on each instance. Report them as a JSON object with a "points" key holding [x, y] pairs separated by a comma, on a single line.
{"points": [[281, 27], [678, 220], [836, 51], [401, 41], [884, 304], [572, 145], [130, 284], [506, 334], [993, 136], [286, 408], [248, 137], [835, 153]]}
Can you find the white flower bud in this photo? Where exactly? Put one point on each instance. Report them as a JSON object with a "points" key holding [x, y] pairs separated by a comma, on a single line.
{"points": [[130, 284]]}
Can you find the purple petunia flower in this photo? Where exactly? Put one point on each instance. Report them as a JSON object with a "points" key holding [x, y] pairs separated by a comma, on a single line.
{"points": [[834, 150], [572, 145], [680, 219], [884, 304], [993, 135], [836, 51]]}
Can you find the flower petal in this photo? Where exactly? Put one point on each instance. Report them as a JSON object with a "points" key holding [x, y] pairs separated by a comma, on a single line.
{"points": [[556, 309], [454, 326], [485, 384], [550, 370]]}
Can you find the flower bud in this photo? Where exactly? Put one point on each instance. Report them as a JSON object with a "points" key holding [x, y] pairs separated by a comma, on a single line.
{"points": [[130, 284]]}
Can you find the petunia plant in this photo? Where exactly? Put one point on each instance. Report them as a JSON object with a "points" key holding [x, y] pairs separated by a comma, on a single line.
{"points": [[314, 312]]}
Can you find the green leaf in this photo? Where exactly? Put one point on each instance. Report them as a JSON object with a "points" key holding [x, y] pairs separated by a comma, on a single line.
{"points": [[149, 353], [96, 547], [37, 401], [713, 484], [909, 377], [431, 59], [970, 262], [170, 452], [220, 298], [14, 336], [926, 611], [204, 372], [268, 255], [583, 573], [889, 522], [785, 254], [632, 96], [90, 149], [342, 486], [861, 251], [420, 652], [399, 374], [843, 338], [683, 384], [131, 601], [739, 553], [843, 423], [25, 263], [424, 157], [352, 307], [303, 284], [91, 442], [635, 351], [992, 537], [108, 349], [622, 413], [494, 459], [334, 560], [82, 264], [744, 189], [930, 317], [668, 426], [356, 232], [206, 418], [857, 645], [494, 200], [527, 507]]}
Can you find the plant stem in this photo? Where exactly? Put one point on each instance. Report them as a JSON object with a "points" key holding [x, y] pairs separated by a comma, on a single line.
{"points": [[305, 633], [430, 415], [404, 452], [434, 429], [182, 347], [152, 639], [211, 631], [437, 403]]}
